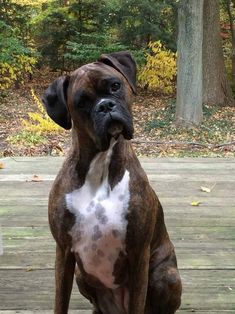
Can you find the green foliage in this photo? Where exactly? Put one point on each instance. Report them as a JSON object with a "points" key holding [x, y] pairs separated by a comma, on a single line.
{"points": [[15, 59], [89, 47], [137, 22], [26, 138], [58, 26], [74, 32], [68, 33], [160, 70]]}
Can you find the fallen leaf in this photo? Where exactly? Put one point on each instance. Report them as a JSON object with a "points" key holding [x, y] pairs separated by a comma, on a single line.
{"points": [[195, 203], [2, 166], [205, 189], [36, 178], [29, 269]]}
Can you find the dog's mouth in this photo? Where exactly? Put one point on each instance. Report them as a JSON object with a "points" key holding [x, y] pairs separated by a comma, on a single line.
{"points": [[111, 125], [115, 128]]}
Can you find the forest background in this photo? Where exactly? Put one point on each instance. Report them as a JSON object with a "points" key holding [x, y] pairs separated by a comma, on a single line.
{"points": [[40, 40]]}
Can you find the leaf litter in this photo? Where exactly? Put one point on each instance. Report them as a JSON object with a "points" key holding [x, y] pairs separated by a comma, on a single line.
{"points": [[155, 132]]}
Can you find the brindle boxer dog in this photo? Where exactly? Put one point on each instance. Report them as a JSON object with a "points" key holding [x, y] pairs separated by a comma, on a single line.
{"points": [[104, 215]]}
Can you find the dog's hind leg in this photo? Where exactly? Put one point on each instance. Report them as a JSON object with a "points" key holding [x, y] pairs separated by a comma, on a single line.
{"points": [[86, 290], [164, 287], [64, 273]]}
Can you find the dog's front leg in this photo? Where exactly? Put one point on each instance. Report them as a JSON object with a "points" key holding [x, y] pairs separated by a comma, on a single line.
{"points": [[64, 273], [139, 281]]}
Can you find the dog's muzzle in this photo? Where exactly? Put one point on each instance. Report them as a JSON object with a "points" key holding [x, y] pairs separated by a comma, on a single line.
{"points": [[111, 119]]}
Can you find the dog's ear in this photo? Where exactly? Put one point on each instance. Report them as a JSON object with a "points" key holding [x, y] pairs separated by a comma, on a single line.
{"points": [[124, 63], [55, 102]]}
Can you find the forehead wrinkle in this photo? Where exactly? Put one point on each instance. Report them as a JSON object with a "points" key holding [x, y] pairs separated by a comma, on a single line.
{"points": [[81, 78]]}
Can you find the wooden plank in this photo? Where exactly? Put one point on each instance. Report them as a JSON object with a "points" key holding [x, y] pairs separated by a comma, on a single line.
{"points": [[187, 259], [172, 219], [160, 176], [181, 311], [203, 211], [196, 247], [204, 236], [24, 290], [166, 201], [16, 245], [195, 177], [208, 233], [166, 189], [202, 290], [51, 165], [45, 312]]}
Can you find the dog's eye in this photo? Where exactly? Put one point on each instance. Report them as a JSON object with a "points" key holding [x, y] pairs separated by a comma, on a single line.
{"points": [[81, 100], [115, 87]]}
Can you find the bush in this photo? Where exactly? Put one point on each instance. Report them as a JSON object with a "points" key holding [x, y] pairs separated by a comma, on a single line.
{"points": [[15, 71], [15, 60], [39, 122], [159, 72]]}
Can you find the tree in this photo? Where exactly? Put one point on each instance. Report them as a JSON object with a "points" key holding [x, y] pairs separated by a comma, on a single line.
{"points": [[16, 57], [60, 24], [189, 63], [229, 5], [216, 89], [139, 21]]}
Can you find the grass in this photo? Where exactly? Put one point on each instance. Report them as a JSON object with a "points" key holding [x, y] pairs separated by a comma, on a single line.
{"points": [[26, 138]]}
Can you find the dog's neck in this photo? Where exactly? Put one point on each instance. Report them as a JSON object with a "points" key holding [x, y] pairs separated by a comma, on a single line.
{"points": [[84, 151]]}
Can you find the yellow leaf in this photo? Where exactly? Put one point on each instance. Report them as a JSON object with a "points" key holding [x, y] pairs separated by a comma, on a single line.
{"points": [[2, 166], [195, 203]]}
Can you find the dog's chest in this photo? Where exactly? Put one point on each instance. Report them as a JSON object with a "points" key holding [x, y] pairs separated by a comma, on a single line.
{"points": [[98, 235]]}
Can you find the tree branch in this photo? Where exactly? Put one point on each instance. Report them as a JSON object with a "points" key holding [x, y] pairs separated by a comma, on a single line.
{"points": [[177, 143]]}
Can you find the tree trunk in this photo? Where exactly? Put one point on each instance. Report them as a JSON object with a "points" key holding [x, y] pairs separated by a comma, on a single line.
{"points": [[216, 89], [189, 63], [228, 6]]}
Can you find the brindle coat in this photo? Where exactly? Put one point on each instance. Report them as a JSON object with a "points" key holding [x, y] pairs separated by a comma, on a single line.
{"points": [[148, 270]]}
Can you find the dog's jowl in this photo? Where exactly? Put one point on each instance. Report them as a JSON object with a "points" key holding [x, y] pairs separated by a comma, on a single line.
{"points": [[106, 219]]}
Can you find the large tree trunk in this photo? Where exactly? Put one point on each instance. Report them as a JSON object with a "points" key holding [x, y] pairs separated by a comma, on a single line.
{"points": [[189, 63], [216, 89], [228, 6]]}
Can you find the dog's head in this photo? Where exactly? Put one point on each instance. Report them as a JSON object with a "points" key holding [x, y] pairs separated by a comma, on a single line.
{"points": [[95, 99]]}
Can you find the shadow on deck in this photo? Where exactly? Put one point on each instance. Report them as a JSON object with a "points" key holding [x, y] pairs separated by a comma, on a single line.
{"points": [[204, 235]]}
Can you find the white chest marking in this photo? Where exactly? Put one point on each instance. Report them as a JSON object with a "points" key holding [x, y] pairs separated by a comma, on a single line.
{"points": [[98, 235]]}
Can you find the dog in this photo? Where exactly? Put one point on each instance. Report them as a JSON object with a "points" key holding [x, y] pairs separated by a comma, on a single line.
{"points": [[106, 219]]}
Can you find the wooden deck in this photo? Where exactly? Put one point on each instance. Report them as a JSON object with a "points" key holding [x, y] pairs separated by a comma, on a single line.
{"points": [[204, 235]]}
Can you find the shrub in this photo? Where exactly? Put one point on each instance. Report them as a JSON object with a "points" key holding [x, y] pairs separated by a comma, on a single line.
{"points": [[15, 60], [39, 122], [15, 71], [159, 72]]}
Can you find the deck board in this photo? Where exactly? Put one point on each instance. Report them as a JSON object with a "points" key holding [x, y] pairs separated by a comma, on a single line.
{"points": [[204, 236]]}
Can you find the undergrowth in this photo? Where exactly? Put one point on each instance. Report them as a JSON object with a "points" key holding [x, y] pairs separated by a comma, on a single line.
{"points": [[217, 126], [36, 126]]}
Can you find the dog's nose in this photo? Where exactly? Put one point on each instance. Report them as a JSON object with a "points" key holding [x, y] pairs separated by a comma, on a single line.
{"points": [[105, 106]]}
